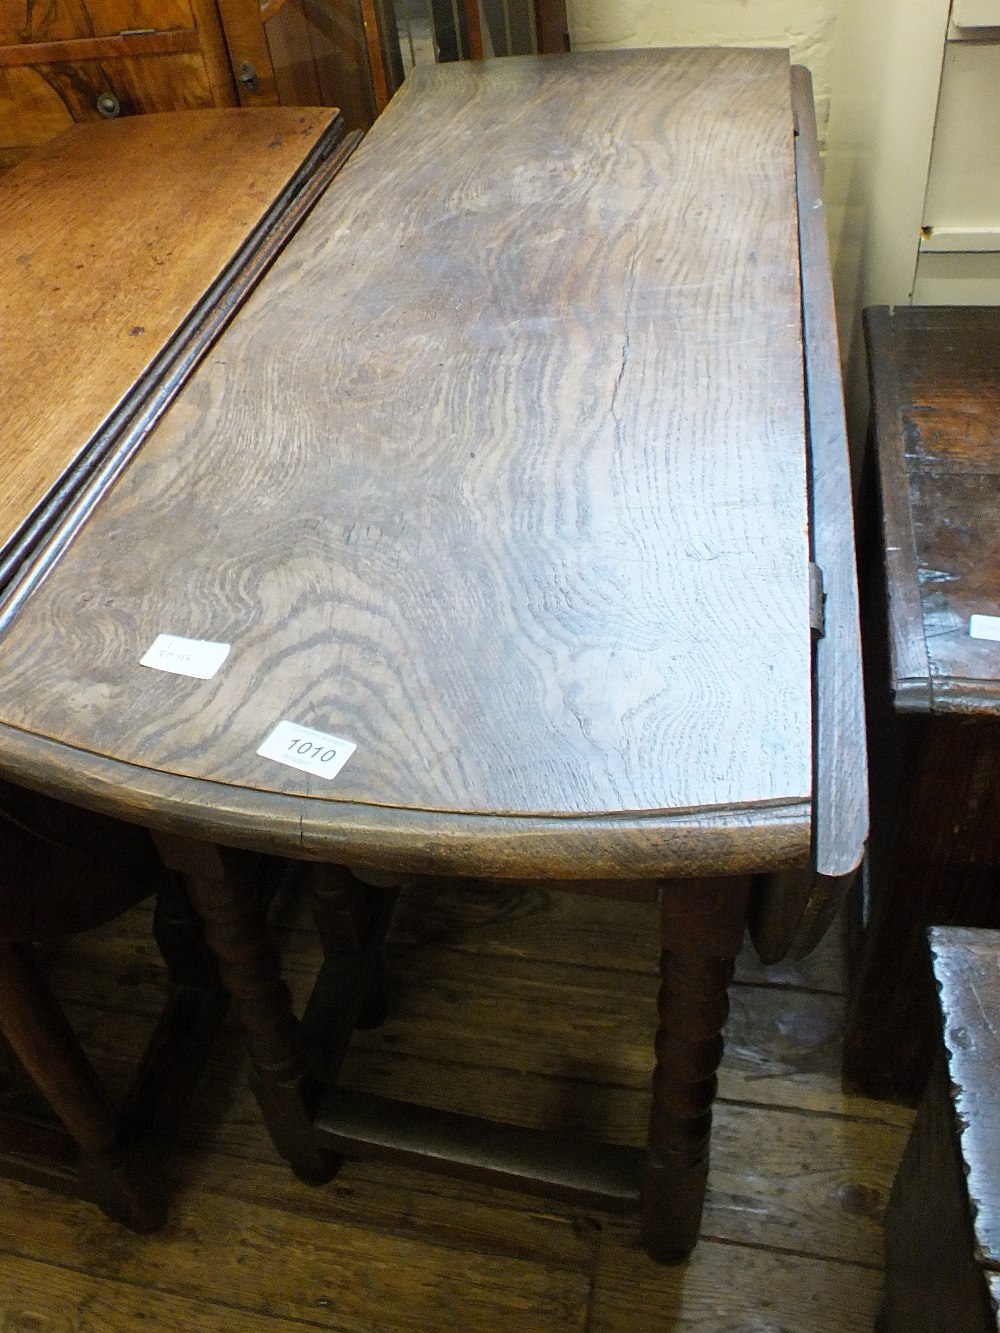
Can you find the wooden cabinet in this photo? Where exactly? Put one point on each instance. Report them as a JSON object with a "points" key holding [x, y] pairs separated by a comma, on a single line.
{"points": [[74, 60]]}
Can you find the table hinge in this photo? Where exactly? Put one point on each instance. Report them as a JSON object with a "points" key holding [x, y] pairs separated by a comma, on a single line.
{"points": [[817, 601]]}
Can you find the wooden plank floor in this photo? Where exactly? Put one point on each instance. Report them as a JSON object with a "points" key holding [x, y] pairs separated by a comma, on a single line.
{"points": [[540, 1006]]}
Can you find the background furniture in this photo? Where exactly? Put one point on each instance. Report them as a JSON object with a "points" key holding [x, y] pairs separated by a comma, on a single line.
{"points": [[931, 561], [510, 543], [98, 328], [943, 1220], [61, 63]]}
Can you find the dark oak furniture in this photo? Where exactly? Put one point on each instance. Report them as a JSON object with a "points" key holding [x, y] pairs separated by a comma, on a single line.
{"points": [[99, 329], [511, 488], [931, 562], [943, 1220]]}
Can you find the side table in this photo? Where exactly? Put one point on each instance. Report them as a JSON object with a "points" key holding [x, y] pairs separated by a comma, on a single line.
{"points": [[943, 1220], [933, 685]]}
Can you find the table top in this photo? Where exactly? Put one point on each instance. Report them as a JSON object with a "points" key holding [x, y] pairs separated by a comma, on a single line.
{"points": [[111, 235], [936, 400], [499, 475]]}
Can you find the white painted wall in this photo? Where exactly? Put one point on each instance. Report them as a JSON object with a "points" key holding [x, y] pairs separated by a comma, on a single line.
{"points": [[886, 76]]}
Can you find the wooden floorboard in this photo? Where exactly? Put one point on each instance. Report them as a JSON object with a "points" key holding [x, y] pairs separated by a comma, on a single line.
{"points": [[540, 1004]]}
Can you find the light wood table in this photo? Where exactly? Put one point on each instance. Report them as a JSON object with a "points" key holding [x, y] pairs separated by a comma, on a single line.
{"points": [[501, 476]]}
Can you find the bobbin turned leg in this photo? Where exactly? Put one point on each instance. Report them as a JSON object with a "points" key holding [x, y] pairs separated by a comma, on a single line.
{"points": [[220, 887], [180, 937], [117, 1176], [701, 923], [351, 914]]}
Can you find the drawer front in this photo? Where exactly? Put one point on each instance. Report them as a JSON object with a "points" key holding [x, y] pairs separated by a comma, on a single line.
{"points": [[70, 20], [37, 102]]}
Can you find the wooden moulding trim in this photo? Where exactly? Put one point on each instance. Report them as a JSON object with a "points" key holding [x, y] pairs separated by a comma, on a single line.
{"points": [[840, 783], [910, 667], [414, 841], [546, 1162], [32, 554], [171, 42], [954, 695]]}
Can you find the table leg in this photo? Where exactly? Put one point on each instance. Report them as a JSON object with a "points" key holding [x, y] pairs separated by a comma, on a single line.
{"points": [[116, 1176], [351, 916], [351, 920], [219, 885], [702, 926], [180, 937]]}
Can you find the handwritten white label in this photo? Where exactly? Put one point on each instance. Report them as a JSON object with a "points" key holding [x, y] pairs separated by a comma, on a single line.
{"points": [[985, 627], [185, 657], [308, 750]]}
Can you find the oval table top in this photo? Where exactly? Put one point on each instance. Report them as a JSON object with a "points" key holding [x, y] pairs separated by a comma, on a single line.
{"points": [[500, 476]]}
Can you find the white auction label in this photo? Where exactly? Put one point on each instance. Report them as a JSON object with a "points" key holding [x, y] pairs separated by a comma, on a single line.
{"points": [[308, 750], [185, 657], [985, 627]]}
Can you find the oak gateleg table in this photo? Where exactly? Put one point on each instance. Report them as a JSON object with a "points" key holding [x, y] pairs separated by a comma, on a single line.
{"points": [[523, 473]]}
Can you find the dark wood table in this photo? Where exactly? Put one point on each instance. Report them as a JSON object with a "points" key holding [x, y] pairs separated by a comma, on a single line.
{"points": [[931, 564], [943, 1220], [500, 493]]}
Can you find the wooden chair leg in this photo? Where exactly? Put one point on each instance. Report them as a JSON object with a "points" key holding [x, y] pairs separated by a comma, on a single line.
{"points": [[115, 1176], [702, 925], [220, 888]]}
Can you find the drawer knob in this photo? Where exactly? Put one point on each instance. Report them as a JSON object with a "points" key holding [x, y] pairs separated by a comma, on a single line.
{"points": [[108, 106], [247, 76]]}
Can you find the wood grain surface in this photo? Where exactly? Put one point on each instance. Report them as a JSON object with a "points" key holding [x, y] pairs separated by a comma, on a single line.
{"points": [[506, 485], [98, 293], [57, 60], [792, 909], [935, 376], [967, 972], [943, 1221], [22, 22]]}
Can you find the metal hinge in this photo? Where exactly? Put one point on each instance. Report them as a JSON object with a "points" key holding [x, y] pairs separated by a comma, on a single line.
{"points": [[817, 601]]}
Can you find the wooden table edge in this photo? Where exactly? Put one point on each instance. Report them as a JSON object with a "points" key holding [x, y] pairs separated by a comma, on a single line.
{"points": [[840, 766], [907, 645], [656, 845]]}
